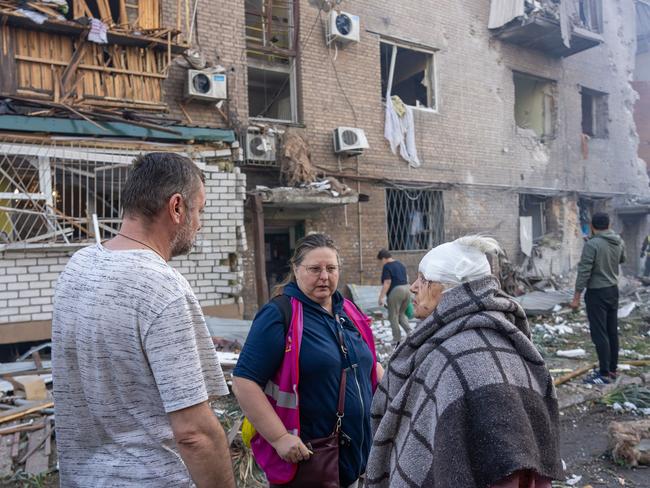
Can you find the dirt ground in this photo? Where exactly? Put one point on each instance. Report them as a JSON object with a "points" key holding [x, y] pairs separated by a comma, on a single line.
{"points": [[584, 449]]}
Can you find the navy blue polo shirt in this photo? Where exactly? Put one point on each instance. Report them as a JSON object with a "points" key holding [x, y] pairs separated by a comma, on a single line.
{"points": [[320, 365], [396, 273]]}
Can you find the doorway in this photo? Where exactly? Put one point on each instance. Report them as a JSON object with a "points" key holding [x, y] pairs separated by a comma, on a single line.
{"points": [[279, 243]]}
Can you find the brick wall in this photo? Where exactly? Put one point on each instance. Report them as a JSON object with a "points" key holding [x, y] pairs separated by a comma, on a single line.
{"points": [[471, 143], [220, 28], [213, 269]]}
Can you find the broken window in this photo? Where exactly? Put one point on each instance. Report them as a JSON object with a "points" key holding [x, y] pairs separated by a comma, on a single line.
{"points": [[415, 219], [142, 14], [50, 198], [409, 73], [591, 15], [535, 104], [594, 113], [271, 59], [535, 207]]}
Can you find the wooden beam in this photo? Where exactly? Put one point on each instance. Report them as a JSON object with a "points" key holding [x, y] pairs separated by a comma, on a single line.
{"points": [[261, 284], [90, 67], [20, 412]]}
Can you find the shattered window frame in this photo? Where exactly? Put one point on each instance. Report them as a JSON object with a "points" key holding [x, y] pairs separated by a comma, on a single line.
{"points": [[535, 206], [271, 51], [415, 219], [590, 15], [597, 103], [548, 90], [431, 72], [51, 193]]}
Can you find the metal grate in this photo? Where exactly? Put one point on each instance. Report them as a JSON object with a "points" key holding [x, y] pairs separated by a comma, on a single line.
{"points": [[415, 218], [49, 194]]}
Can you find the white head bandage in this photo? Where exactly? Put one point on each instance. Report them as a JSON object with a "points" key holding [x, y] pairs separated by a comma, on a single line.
{"points": [[459, 261]]}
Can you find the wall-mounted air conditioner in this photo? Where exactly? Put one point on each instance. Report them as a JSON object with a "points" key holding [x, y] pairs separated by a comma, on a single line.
{"points": [[260, 147], [206, 84], [342, 27], [349, 140]]}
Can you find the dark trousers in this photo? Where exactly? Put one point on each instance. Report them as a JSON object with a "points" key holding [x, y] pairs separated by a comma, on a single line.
{"points": [[602, 309]]}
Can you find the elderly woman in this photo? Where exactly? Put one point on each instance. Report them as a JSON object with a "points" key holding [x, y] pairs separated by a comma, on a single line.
{"points": [[467, 400], [308, 370]]}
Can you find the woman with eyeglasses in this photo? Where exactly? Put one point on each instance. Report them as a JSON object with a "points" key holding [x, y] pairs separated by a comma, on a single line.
{"points": [[307, 372]]}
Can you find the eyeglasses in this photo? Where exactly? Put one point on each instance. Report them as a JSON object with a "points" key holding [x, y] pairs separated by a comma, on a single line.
{"points": [[317, 270]]}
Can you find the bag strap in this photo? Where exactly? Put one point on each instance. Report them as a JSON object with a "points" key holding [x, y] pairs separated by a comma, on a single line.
{"points": [[283, 302], [340, 407]]}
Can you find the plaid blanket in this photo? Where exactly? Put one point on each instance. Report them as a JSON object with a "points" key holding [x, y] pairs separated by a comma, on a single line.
{"points": [[466, 400]]}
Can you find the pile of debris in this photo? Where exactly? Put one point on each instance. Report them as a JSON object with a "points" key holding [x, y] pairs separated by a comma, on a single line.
{"points": [[26, 417]]}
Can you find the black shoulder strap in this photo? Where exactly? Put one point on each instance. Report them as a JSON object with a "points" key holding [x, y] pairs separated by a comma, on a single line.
{"points": [[283, 302]]}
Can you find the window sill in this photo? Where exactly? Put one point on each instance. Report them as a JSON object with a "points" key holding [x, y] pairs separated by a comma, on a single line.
{"points": [[419, 109], [287, 123]]}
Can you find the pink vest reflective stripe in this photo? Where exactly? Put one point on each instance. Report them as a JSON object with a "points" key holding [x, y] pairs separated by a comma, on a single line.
{"points": [[282, 390]]}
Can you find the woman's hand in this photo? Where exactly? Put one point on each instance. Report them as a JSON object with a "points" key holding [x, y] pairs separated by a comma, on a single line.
{"points": [[291, 449]]}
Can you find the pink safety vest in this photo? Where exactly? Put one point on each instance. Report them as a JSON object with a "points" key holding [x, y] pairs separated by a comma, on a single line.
{"points": [[282, 390]]}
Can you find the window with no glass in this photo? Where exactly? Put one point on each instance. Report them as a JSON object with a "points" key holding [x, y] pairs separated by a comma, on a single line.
{"points": [[410, 74], [535, 104], [270, 50], [594, 113]]}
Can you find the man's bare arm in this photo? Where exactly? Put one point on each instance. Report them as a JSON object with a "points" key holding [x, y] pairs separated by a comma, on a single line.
{"points": [[202, 445]]}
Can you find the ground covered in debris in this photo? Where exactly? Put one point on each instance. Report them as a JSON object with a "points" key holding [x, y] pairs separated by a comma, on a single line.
{"points": [[584, 447], [561, 335]]}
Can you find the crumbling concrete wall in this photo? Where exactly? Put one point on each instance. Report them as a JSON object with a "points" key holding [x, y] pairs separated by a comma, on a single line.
{"points": [[213, 269]]}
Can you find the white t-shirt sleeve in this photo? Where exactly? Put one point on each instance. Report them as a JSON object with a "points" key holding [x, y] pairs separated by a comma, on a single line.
{"points": [[182, 357]]}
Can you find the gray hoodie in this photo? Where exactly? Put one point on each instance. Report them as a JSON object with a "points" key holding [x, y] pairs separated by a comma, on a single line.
{"points": [[600, 259]]}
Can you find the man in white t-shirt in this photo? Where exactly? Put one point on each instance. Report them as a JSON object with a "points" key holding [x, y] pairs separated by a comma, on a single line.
{"points": [[133, 361]]}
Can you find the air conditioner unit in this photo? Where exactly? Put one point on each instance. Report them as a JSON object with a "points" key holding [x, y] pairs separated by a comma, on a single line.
{"points": [[206, 84], [260, 147], [342, 27], [349, 140]]}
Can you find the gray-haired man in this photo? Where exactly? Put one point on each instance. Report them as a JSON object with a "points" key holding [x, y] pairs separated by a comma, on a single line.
{"points": [[133, 362]]}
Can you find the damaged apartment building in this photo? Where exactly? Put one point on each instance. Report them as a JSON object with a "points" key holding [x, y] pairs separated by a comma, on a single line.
{"points": [[86, 86], [514, 118], [385, 124]]}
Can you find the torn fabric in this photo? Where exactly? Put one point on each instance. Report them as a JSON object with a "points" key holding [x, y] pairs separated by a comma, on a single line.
{"points": [[97, 32], [400, 131]]}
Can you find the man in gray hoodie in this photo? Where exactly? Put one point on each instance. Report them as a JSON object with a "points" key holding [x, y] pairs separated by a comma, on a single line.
{"points": [[598, 273]]}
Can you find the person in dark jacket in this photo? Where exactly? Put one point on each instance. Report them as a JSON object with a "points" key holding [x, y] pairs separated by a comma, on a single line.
{"points": [[313, 280], [395, 292], [598, 274]]}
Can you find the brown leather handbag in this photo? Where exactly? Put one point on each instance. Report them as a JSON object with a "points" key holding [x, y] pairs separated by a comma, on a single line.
{"points": [[321, 470]]}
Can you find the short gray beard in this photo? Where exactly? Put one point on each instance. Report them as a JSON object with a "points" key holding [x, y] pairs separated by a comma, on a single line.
{"points": [[183, 241]]}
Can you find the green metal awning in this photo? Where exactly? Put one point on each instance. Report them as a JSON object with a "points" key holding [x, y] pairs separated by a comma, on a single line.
{"points": [[76, 127]]}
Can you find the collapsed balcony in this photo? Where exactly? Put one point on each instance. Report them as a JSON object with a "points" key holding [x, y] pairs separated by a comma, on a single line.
{"points": [[559, 28]]}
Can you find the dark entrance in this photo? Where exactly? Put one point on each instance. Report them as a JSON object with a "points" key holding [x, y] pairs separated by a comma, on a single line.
{"points": [[279, 242]]}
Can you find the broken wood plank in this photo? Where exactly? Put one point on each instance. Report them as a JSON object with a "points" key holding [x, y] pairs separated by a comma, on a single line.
{"points": [[573, 374], [6, 462], [24, 427], [8, 81], [69, 75], [36, 462], [187, 115], [20, 412], [15, 445]]}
